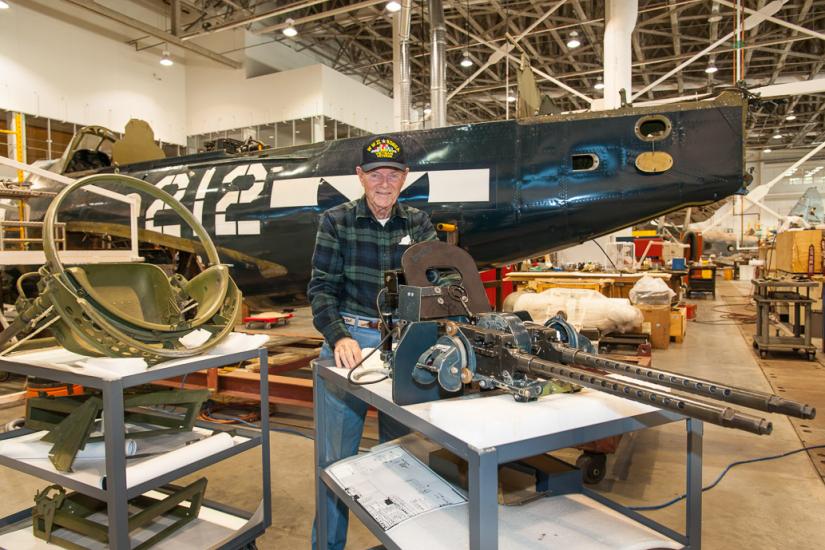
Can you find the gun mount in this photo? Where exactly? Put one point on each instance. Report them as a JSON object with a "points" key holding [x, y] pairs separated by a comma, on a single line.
{"points": [[446, 338], [126, 310]]}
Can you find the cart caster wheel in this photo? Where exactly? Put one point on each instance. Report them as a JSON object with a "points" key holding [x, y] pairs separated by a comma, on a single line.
{"points": [[755, 345], [763, 354], [812, 356], [593, 467]]}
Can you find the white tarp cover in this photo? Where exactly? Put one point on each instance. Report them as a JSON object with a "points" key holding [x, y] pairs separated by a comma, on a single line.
{"points": [[584, 309]]}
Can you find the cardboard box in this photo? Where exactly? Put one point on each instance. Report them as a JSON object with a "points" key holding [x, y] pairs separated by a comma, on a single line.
{"points": [[678, 323], [658, 318], [793, 250]]}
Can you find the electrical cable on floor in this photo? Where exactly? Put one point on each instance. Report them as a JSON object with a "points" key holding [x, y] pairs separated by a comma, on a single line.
{"points": [[271, 428], [728, 468], [209, 414]]}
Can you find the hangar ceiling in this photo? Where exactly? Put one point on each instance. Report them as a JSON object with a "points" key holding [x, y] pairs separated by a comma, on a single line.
{"points": [[355, 38]]}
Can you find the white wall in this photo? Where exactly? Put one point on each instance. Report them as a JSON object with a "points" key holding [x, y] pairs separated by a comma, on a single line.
{"points": [[88, 76], [273, 56], [58, 70], [589, 251], [349, 101], [219, 98], [222, 99]]}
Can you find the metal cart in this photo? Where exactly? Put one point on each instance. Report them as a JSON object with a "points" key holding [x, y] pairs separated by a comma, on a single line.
{"points": [[115, 491], [701, 279], [492, 430], [769, 295]]}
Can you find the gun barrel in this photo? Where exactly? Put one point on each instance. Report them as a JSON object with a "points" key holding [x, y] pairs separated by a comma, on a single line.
{"points": [[694, 408], [762, 401]]}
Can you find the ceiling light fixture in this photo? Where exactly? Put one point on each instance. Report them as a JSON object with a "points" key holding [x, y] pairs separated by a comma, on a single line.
{"points": [[768, 150], [711, 68], [4, 5], [511, 98], [290, 31], [466, 62], [777, 136], [573, 41], [790, 116], [599, 84], [427, 111], [393, 6], [166, 59]]}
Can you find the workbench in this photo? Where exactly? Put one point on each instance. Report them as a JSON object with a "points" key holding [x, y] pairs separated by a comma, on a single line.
{"points": [[490, 430]]}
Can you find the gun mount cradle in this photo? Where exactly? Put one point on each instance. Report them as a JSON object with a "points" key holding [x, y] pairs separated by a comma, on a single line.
{"points": [[446, 337]]}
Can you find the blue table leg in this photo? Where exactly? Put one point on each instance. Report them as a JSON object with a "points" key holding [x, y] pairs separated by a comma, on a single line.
{"points": [[483, 482], [114, 435], [319, 387], [263, 361], [693, 519]]}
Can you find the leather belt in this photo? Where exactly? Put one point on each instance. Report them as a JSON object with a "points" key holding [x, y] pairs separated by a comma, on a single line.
{"points": [[359, 322]]}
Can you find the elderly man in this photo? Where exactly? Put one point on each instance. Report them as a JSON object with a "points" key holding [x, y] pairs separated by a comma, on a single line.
{"points": [[358, 241]]}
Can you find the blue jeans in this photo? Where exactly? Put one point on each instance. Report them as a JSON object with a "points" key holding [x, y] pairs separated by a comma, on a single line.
{"points": [[343, 425]]}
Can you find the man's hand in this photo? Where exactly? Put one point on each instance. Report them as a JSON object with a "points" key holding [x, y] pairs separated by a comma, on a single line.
{"points": [[347, 353]]}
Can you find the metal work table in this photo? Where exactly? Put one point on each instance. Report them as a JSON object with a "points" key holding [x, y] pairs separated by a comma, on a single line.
{"points": [[768, 294], [490, 430], [228, 529]]}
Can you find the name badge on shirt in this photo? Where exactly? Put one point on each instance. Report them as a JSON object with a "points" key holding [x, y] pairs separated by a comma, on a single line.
{"points": [[405, 240]]}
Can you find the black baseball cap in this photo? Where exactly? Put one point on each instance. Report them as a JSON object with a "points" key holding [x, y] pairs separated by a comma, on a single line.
{"points": [[382, 152]]}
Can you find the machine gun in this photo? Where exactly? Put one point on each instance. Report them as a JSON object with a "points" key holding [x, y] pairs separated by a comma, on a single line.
{"points": [[446, 338]]}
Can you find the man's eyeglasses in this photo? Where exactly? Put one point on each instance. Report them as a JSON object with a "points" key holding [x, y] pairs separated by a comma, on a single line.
{"points": [[392, 177]]}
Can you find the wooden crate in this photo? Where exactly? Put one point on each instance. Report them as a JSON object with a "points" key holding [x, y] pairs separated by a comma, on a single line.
{"points": [[792, 251], [658, 319], [541, 285]]}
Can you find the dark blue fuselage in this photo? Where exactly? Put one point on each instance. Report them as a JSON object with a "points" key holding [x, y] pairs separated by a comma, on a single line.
{"points": [[514, 188]]}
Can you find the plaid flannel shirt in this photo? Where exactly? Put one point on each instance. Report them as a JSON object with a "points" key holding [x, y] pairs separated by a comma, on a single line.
{"points": [[352, 251]]}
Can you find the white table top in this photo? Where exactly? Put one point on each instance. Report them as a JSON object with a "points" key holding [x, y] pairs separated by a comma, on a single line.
{"points": [[92, 471], [113, 368], [494, 420]]}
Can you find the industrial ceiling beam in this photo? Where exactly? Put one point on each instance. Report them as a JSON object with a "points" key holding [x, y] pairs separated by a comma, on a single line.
{"points": [[677, 42], [256, 18], [776, 20], [497, 56], [750, 22], [321, 15], [154, 31], [806, 7], [540, 73]]}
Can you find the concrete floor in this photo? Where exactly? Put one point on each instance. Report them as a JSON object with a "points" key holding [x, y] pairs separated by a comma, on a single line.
{"points": [[777, 504]]}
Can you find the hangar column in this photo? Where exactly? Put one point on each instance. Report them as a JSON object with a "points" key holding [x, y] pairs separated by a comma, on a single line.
{"points": [[620, 17]]}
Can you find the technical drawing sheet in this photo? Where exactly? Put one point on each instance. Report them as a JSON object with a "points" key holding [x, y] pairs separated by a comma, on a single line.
{"points": [[393, 486]]}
